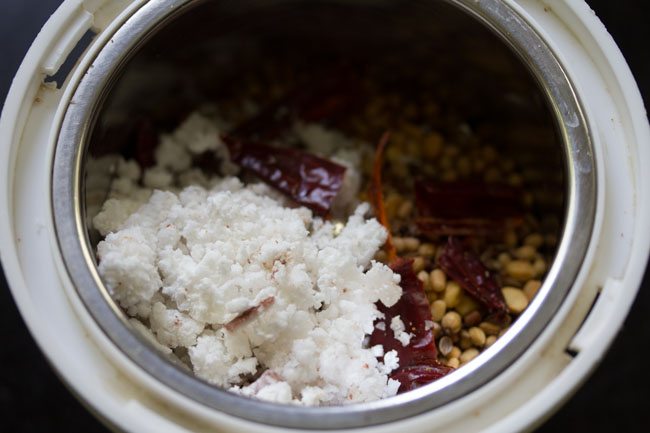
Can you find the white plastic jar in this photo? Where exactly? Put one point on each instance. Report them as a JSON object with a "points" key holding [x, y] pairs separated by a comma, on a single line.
{"points": [[613, 264]]}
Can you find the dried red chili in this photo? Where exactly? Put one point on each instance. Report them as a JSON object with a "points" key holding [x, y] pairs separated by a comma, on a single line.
{"points": [[418, 364], [309, 180], [415, 376], [436, 227], [465, 267], [413, 309], [466, 208]]}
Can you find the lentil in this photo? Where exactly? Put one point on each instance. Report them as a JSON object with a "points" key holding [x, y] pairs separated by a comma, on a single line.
{"points": [[399, 244], [452, 322], [515, 180], [432, 145], [426, 281], [525, 252], [438, 309], [405, 209], [472, 318], [516, 299], [464, 166], [534, 240], [539, 267], [445, 345], [489, 328], [520, 270], [466, 305], [411, 244], [438, 280], [453, 363], [418, 264], [393, 201], [477, 336], [465, 341], [492, 175], [427, 250], [449, 176], [489, 154], [468, 355], [452, 294], [531, 287], [504, 259], [455, 352], [551, 240]]}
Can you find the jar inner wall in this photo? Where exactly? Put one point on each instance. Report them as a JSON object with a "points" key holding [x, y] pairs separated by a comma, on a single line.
{"points": [[434, 54], [421, 52]]}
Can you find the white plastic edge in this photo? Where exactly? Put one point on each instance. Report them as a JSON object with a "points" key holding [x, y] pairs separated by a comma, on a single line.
{"points": [[22, 90], [617, 295], [24, 86]]}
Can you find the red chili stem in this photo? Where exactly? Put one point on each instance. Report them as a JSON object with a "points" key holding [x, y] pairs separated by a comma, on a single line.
{"points": [[377, 196]]}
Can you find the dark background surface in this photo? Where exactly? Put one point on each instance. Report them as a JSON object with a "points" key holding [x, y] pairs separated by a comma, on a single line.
{"points": [[615, 398]]}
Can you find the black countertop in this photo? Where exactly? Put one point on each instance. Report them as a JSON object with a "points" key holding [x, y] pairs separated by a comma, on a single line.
{"points": [[615, 398]]}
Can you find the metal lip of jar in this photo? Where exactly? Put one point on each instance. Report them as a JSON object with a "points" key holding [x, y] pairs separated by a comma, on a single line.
{"points": [[580, 209]]}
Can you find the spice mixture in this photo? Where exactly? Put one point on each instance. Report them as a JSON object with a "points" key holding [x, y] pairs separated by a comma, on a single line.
{"points": [[320, 245]]}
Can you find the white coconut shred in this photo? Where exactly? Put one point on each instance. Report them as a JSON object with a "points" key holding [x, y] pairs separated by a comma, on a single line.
{"points": [[252, 293]]}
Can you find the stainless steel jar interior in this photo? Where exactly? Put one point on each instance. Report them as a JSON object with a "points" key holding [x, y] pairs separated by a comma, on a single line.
{"points": [[171, 56]]}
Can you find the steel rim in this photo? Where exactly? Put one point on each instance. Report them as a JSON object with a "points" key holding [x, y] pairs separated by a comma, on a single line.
{"points": [[79, 258]]}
